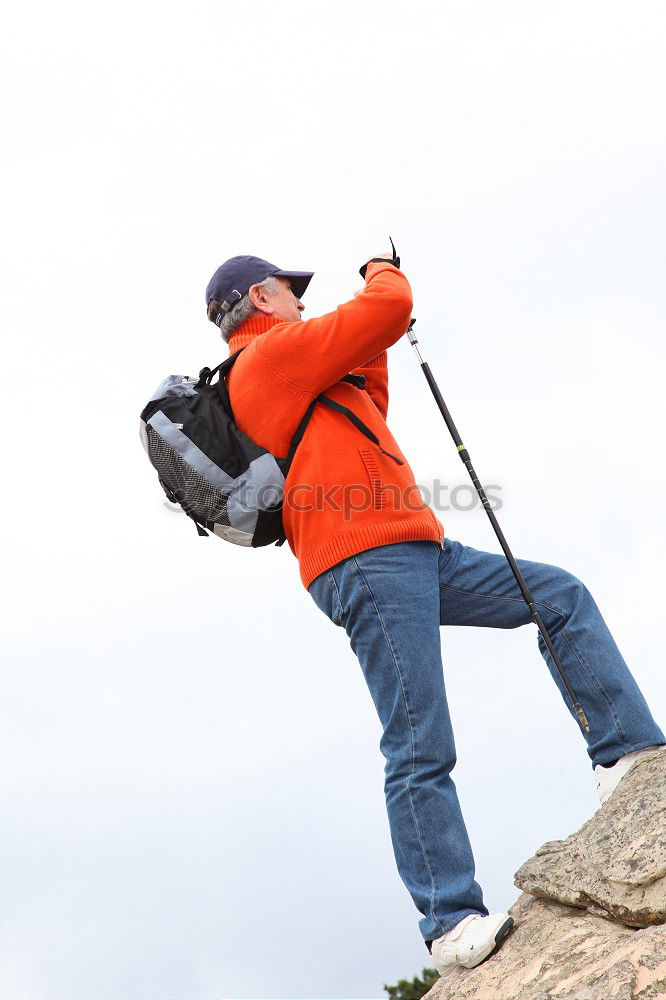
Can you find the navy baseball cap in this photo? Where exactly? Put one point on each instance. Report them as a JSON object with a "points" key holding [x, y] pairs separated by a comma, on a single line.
{"points": [[232, 280]]}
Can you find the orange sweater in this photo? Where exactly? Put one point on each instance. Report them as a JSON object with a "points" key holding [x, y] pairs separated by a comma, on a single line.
{"points": [[342, 494]]}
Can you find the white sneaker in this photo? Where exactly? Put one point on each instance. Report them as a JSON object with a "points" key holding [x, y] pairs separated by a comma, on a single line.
{"points": [[470, 941], [608, 778]]}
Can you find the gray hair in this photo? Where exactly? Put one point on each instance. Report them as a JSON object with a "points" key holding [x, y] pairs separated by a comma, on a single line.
{"points": [[241, 311]]}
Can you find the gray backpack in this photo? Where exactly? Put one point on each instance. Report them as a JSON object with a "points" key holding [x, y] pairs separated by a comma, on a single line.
{"points": [[223, 481]]}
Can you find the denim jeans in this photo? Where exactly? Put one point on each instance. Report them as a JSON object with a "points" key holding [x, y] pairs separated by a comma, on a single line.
{"points": [[391, 601]]}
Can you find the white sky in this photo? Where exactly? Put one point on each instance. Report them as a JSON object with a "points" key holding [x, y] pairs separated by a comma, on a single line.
{"points": [[192, 787]]}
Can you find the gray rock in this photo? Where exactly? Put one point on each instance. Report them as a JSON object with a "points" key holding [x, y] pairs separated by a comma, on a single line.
{"points": [[591, 924], [614, 866], [557, 952]]}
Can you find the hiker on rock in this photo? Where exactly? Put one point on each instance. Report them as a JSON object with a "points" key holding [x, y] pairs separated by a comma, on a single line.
{"points": [[375, 560]]}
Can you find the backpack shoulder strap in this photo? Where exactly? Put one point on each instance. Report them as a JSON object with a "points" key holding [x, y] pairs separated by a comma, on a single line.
{"points": [[339, 408], [357, 422], [298, 436], [223, 369]]}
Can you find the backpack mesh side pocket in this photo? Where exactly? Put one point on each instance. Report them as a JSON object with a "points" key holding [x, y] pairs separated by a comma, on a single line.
{"points": [[207, 503]]}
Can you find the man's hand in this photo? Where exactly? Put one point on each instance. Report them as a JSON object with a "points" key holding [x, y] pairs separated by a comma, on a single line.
{"points": [[388, 255]]}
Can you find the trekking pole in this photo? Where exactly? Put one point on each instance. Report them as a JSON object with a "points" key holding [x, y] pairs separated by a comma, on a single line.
{"points": [[464, 454]]}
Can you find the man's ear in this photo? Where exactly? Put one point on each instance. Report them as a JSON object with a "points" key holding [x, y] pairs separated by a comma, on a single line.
{"points": [[260, 299]]}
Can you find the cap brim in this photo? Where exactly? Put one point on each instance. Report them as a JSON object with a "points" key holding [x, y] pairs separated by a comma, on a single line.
{"points": [[299, 280]]}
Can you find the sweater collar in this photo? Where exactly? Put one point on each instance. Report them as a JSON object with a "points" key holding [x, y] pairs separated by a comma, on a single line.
{"points": [[248, 331]]}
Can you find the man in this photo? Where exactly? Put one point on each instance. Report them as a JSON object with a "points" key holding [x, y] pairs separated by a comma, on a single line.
{"points": [[374, 558]]}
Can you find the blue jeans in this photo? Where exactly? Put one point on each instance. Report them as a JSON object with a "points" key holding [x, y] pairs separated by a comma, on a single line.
{"points": [[391, 601]]}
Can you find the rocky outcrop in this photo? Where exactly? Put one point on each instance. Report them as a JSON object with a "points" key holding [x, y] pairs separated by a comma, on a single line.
{"points": [[591, 924], [614, 866]]}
